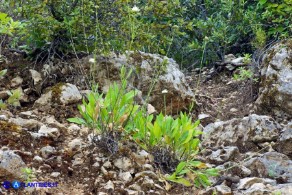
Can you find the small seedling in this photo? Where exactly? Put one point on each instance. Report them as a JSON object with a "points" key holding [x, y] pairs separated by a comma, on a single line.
{"points": [[244, 75], [247, 58], [28, 174]]}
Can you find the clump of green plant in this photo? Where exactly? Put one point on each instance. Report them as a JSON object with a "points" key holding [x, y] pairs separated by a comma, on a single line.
{"points": [[276, 15], [28, 174], [260, 39], [108, 115], [244, 74], [2, 73], [7, 28], [247, 58], [179, 137], [108, 112], [193, 172], [13, 100], [117, 112]]}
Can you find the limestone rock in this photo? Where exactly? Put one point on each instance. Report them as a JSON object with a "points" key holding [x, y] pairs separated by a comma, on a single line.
{"points": [[38, 159], [284, 144], [36, 76], [223, 190], [109, 185], [125, 176], [232, 168], [255, 185], [11, 165], [123, 163], [275, 93], [44, 100], [49, 132], [222, 155], [271, 164], [16, 82], [246, 183], [244, 133], [75, 144], [47, 151], [70, 94], [283, 189], [61, 94], [29, 124], [55, 174], [145, 68]]}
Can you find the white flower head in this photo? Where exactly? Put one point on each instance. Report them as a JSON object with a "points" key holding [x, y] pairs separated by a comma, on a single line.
{"points": [[135, 9], [164, 91], [91, 60]]}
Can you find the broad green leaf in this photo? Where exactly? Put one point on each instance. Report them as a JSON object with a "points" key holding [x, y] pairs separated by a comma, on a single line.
{"points": [[2, 105], [204, 180], [78, 121], [212, 172], [262, 2], [14, 98], [189, 137], [3, 72], [182, 181], [157, 131], [171, 177], [180, 167], [195, 143], [195, 163]]}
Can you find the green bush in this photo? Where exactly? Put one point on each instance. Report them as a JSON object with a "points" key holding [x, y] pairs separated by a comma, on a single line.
{"points": [[7, 29], [177, 28], [276, 16], [58, 27]]}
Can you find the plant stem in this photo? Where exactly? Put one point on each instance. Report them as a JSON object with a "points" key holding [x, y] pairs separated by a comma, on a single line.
{"points": [[201, 64]]}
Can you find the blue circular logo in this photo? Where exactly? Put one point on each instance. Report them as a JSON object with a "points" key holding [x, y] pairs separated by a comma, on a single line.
{"points": [[16, 184], [6, 185]]}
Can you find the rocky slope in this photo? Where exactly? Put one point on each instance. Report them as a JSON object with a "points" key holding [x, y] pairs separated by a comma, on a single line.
{"points": [[248, 141]]}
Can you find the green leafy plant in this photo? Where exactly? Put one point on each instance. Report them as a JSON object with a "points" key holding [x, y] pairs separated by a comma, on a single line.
{"points": [[2, 73], [194, 171], [14, 96], [244, 74], [104, 113], [117, 111], [260, 38], [7, 28], [7, 25], [277, 193], [247, 58], [28, 174], [2, 105], [179, 136], [276, 15]]}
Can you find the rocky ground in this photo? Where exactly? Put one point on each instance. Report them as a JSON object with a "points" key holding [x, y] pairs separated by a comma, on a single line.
{"points": [[247, 136]]}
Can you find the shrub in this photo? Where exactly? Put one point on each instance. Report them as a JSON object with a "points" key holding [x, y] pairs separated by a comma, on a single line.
{"points": [[174, 28], [276, 17], [7, 28]]}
